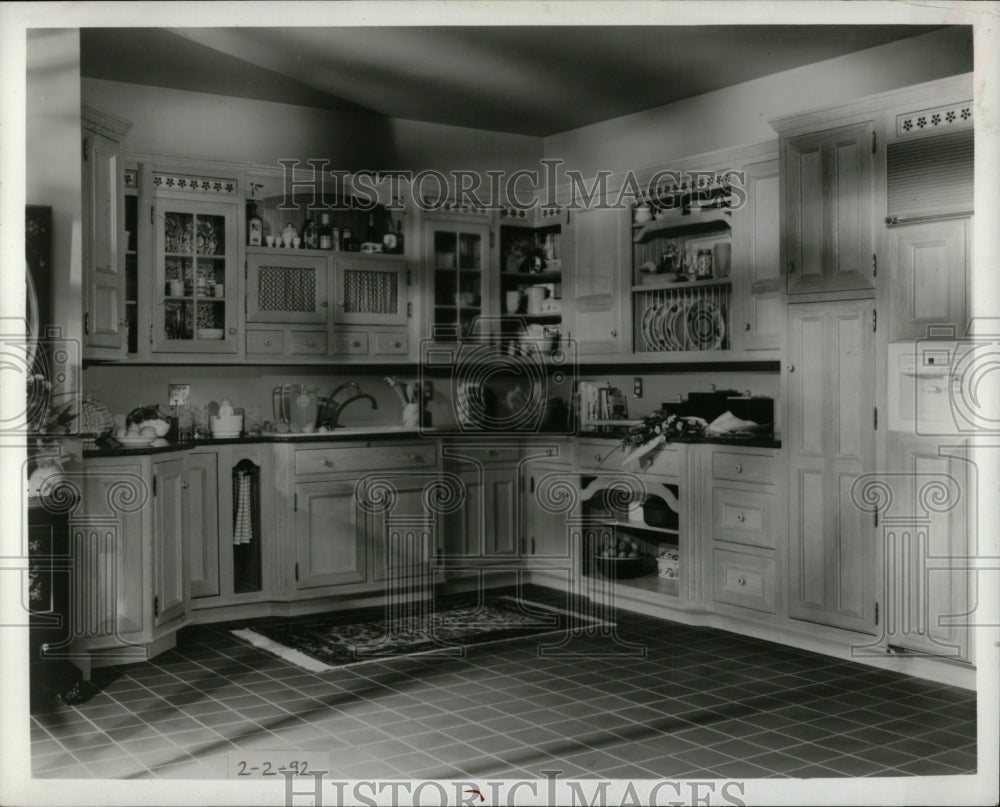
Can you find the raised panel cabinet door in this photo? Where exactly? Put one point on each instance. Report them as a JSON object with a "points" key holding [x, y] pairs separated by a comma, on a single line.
{"points": [[927, 279], [927, 540], [599, 255], [201, 502], [829, 182], [463, 527], [830, 379], [370, 291], [329, 535], [288, 288], [169, 525], [757, 258], [501, 512], [545, 532], [402, 537], [104, 318]]}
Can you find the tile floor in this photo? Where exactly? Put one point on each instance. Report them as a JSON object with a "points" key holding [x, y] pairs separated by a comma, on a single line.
{"points": [[703, 703]]}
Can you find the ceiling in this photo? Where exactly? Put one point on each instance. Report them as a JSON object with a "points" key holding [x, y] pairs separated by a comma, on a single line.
{"points": [[527, 80]]}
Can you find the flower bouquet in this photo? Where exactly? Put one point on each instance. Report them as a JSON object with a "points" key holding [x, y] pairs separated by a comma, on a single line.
{"points": [[656, 429]]}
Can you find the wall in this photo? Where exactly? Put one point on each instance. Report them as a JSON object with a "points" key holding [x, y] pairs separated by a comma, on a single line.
{"points": [[738, 115], [221, 127]]}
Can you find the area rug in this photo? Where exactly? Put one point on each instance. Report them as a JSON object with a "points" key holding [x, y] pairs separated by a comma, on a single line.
{"points": [[329, 641]]}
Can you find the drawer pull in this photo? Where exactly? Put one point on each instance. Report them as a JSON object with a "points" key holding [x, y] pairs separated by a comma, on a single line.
{"points": [[356, 343], [492, 452], [232, 330], [791, 368], [397, 344], [267, 343], [746, 326], [739, 467], [597, 457], [324, 303], [791, 267], [417, 457], [741, 580], [740, 517], [312, 343], [328, 463]]}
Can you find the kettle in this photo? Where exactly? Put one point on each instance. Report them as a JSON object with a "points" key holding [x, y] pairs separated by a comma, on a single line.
{"points": [[295, 404]]}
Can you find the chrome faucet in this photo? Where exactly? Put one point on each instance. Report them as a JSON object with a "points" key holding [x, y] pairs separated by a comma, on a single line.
{"points": [[332, 421]]}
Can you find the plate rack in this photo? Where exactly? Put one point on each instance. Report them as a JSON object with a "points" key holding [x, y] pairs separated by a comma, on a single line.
{"points": [[676, 317]]}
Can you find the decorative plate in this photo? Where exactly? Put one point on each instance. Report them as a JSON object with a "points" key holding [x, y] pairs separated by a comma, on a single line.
{"points": [[705, 326], [135, 441], [644, 327], [672, 338], [656, 327]]}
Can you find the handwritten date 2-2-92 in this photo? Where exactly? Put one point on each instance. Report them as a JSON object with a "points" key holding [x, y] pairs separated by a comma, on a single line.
{"points": [[274, 764]]}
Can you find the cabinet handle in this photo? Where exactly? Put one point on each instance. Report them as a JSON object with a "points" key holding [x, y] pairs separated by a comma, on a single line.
{"points": [[267, 343], [185, 485], [328, 463], [491, 452], [740, 517], [397, 344], [791, 267], [791, 368], [324, 303], [597, 457], [741, 580], [356, 343], [614, 334], [312, 343], [532, 484], [746, 326], [232, 330], [532, 546], [417, 457], [739, 467]]}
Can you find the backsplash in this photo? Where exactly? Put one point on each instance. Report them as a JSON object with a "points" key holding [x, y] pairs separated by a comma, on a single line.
{"points": [[123, 388]]}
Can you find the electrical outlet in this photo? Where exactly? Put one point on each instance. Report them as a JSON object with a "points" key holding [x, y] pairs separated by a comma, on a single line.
{"points": [[637, 386], [178, 394]]}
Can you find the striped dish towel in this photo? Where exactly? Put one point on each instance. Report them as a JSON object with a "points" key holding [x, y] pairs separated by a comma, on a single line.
{"points": [[243, 528]]}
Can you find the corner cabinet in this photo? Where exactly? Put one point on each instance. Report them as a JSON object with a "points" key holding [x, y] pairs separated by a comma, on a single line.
{"points": [[196, 285], [457, 270], [105, 326], [595, 279], [828, 184]]}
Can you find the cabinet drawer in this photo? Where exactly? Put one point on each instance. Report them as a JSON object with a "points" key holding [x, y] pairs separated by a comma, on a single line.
{"points": [[759, 468], [309, 343], [663, 462], [744, 517], [363, 458], [487, 455], [599, 454], [392, 344], [350, 343], [744, 580], [266, 342]]}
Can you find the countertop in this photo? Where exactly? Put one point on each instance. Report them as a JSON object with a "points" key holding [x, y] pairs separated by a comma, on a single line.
{"points": [[396, 433]]}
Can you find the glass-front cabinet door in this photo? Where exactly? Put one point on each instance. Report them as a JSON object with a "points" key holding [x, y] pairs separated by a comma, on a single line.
{"points": [[458, 260], [195, 290]]}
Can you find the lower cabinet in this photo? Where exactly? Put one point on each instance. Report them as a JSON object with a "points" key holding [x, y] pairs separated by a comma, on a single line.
{"points": [[484, 528], [330, 534], [170, 524], [544, 516]]}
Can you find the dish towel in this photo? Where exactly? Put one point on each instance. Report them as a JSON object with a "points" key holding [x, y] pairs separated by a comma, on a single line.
{"points": [[243, 528]]}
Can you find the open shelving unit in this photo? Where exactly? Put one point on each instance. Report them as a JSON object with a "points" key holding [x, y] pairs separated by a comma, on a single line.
{"points": [[530, 256]]}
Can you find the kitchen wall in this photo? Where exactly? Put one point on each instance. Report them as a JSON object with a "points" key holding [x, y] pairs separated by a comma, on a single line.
{"points": [[204, 125], [739, 115]]}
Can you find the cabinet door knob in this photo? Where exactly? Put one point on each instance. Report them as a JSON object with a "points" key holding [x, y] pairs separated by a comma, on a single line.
{"points": [[356, 343], [741, 580], [791, 368], [397, 344], [614, 334], [328, 463], [597, 457], [740, 517], [417, 457], [232, 330], [312, 343], [791, 267], [739, 467], [267, 343], [323, 303], [492, 452], [746, 326], [185, 484]]}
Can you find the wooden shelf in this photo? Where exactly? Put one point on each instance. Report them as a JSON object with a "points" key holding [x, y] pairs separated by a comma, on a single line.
{"points": [[640, 525], [548, 276], [684, 284], [540, 318], [676, 223]]}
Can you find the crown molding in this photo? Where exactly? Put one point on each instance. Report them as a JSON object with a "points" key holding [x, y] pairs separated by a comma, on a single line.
{"points": [[97, 120]]}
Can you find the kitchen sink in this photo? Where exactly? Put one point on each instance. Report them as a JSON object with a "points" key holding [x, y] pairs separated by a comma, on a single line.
{"points": [[345, 431]]}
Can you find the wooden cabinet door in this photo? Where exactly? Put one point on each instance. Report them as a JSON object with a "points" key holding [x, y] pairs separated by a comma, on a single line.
{"points": [[757, 268], [370, 291], [928, 277], [546, 537], [459, 290], [201, 501], [169, 526], [924, 533], [287, 287], [828, 181], [501, 512], [329, 535], [104, 326], [463, 528], [830, 383], [402, 537], [593, 273]]}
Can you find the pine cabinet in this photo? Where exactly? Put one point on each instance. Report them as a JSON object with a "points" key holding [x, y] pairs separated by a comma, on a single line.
{"points": [[330, 534], [196, 285], [756, 259], [457, 256], [401, 537], [595, 278], [828, 181], [928, 277], [486, 525], [202, 505], [545, 530], [105, 326], [369, 290], [829, 382], [170, 522]]}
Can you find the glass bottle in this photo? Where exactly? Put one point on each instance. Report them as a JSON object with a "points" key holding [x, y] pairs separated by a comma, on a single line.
{"points": [[255, 226], [399, 237], [325, 234], [310, 235]]}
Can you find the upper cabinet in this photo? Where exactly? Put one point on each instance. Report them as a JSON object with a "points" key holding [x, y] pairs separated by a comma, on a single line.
{"points": [[596, 261], [105, 327], [457, 260], [370, 291], [196, 284], [829, 182]]}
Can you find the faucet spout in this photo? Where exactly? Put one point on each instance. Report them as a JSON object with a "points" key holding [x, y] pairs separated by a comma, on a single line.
{"points": [[333, 421]]}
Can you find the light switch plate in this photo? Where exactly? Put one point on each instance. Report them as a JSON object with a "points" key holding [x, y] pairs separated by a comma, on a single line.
{"points": [[178, 394]]}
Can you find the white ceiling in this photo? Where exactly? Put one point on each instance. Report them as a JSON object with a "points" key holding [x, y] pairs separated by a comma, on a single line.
{"points": [[529, 80]]}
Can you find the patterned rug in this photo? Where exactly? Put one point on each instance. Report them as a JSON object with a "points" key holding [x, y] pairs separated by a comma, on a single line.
{"points": [[323, 642]]}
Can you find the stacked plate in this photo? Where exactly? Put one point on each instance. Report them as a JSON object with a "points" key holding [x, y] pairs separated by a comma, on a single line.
{"points": [[682, 325]]}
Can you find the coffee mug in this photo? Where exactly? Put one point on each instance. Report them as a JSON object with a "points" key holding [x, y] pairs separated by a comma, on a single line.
{"points": [[535, 296], [513, 302]]}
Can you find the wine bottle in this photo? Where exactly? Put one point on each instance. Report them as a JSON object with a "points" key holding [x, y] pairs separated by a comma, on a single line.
{"points": [[399, 237], [325, 234], [310, 235], [371, 236]]}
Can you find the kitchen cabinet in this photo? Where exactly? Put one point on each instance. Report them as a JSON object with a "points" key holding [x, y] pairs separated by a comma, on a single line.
{"points": [[201, 486], [105, 325], [457, 271], [401, 537], [595, 280], [757, 262], [485, 527], [330, 534], [287, 302], [370, 290], [196, 288], [170, 522], [129, 593], [546, 541], [828, 183], [830, 438], [926, 535], [928, 273]]}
